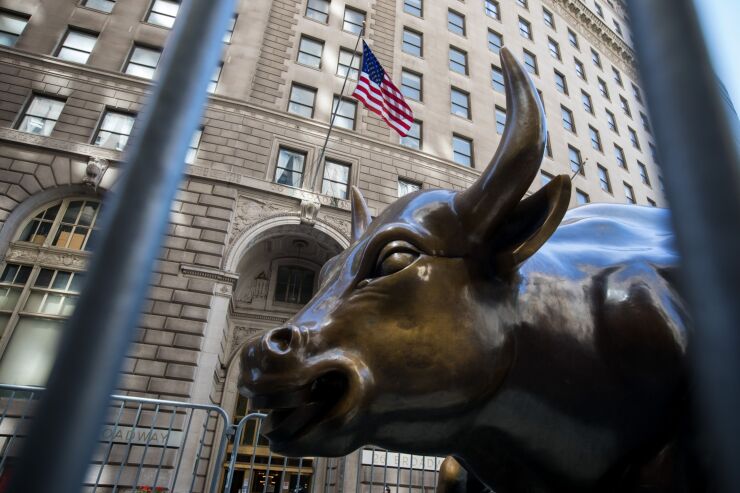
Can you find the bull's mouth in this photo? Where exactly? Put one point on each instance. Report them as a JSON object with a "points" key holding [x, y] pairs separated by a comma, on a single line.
{"points": [[297, 411]]}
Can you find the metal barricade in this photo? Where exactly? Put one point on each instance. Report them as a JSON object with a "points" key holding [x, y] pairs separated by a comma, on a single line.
{"points": [[145, 443], [367, 470]]}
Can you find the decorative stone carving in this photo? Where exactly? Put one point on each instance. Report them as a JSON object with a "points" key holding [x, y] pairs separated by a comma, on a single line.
{"points": [[96, 168], [33, 254], [258, 288], [250, 211], [240, 334], [309, 211], [343, 225]]}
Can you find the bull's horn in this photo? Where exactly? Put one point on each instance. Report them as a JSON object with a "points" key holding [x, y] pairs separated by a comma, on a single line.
{"points": [[360, 214], [503, 183]]}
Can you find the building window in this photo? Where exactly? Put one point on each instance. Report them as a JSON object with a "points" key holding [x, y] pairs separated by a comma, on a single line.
{"points": [[619, 155], [309, 52], [548, 145], [617, 27], [568, 122], [114, 130], [625, 106], [576, 164], [68, 224], [661, 184], [193, 147], [349, 61], [11, 27], [163, 13], [77, 46], [336, 179], [573, 39], [580, 70], [595, 138], [548, 17], [633, 138], [643, 173], [497, 79], [587, 104], [413, 7], [604, 179], [406, 187], [560, 82], [213, 84], [294, 284], [523, 4], [645, 122], [629, 193], [318, 10], [412, 43], [289, 170], [344, 116], [41, 115], [143, 62], [495, 41], [582, 197], [636, 93], [545, 178], [554, 48], [413, 137], [302, 100], [500, 120], [603, 89], [33, 306], [530, 62], [611, 121], [411, 85], [462, 150], [460, 103], [599, 10], [525, 28], [653, 152], [230, 29], [652, 202], [455, 22], [458, 61], [353, 20], [596, 58], [617, 77], [492, 9]]}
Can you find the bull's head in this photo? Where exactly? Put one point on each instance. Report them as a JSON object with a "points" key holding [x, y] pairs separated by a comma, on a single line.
{"points": [[408, 334]]}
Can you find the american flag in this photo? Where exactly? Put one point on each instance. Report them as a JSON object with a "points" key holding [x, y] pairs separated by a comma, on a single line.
{"points": [[378, 93]]}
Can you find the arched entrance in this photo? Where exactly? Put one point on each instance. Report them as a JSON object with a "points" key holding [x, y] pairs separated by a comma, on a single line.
{"points": [[278, 272]]}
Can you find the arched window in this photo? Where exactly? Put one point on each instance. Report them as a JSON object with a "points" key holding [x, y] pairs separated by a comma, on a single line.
{"points": [[39, 289], [294, 284]]}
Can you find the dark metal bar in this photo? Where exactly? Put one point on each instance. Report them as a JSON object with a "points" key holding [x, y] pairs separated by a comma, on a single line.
{"points": [[97, 335], [701, 168]]}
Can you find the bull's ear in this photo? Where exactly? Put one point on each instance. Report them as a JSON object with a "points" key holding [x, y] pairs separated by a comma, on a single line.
{"points": [[531, 224], [360, 214]]}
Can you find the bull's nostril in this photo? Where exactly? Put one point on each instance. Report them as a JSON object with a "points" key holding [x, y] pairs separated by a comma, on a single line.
{"points": [[278, 340]]}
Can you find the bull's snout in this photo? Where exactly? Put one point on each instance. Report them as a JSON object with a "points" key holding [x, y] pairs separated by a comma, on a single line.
{"points": [[282, 341]]}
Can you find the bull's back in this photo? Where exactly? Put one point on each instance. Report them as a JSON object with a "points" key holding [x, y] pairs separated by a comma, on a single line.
{"points": [[599, 236]]}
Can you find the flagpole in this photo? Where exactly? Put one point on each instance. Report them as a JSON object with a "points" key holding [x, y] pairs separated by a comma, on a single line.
{"points": [[317, 164]]}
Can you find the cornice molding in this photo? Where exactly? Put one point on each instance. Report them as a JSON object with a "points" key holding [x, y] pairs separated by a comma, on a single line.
{"points": [[75, 148], [598, 33], [50, 257], [217, 275]]}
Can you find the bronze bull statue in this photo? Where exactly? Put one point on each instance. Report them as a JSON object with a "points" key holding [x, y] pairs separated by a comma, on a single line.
{"points": [[545, 351]]}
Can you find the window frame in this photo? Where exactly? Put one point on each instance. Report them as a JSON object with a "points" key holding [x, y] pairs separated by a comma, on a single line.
{"points": [[99, 127], [131, 54], [304, 87], [276, 168], [496, 10], [149, 12], [580, 168], [18, 16], [405, 43], [300, 52], [420, 77], [452, 14], [307, 14], [468, 112], [452, 62], [569, 123], [27, 105], [76, 30], [324, 179], [604, 180], [409, 137], [560, 77], [347, 8], [525, 29], [471, 156], [344, 101], [420, 9]]}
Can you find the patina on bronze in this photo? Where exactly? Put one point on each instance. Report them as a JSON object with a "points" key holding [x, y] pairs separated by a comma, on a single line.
{"points": [[545, 351]]}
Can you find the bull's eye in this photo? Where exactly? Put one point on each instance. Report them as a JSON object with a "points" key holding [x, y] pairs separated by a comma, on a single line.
{"points": [[396, 256]]}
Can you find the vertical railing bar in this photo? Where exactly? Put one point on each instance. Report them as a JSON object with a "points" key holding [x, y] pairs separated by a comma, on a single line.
{"points": [[436, 473], [221, 451], [104, 461], [372, 469], [182, 448], [398, 472], [166, 445], [359, 471], [282, 476], [385, 472], [200, 449], [300, 472], [423, 474], [267, 472], [15, 432], [124, 460], [146, 446], [258, 430]]}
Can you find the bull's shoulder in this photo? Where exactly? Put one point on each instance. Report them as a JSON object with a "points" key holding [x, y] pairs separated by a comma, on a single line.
{"points": [[603, 235]]}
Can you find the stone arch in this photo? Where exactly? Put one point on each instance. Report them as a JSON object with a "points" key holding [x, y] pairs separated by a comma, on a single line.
{"points": [[28, 207], [259, 229]]}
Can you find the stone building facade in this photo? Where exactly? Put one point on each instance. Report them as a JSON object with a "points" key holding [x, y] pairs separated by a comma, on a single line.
{"points": [[246, 241]]}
